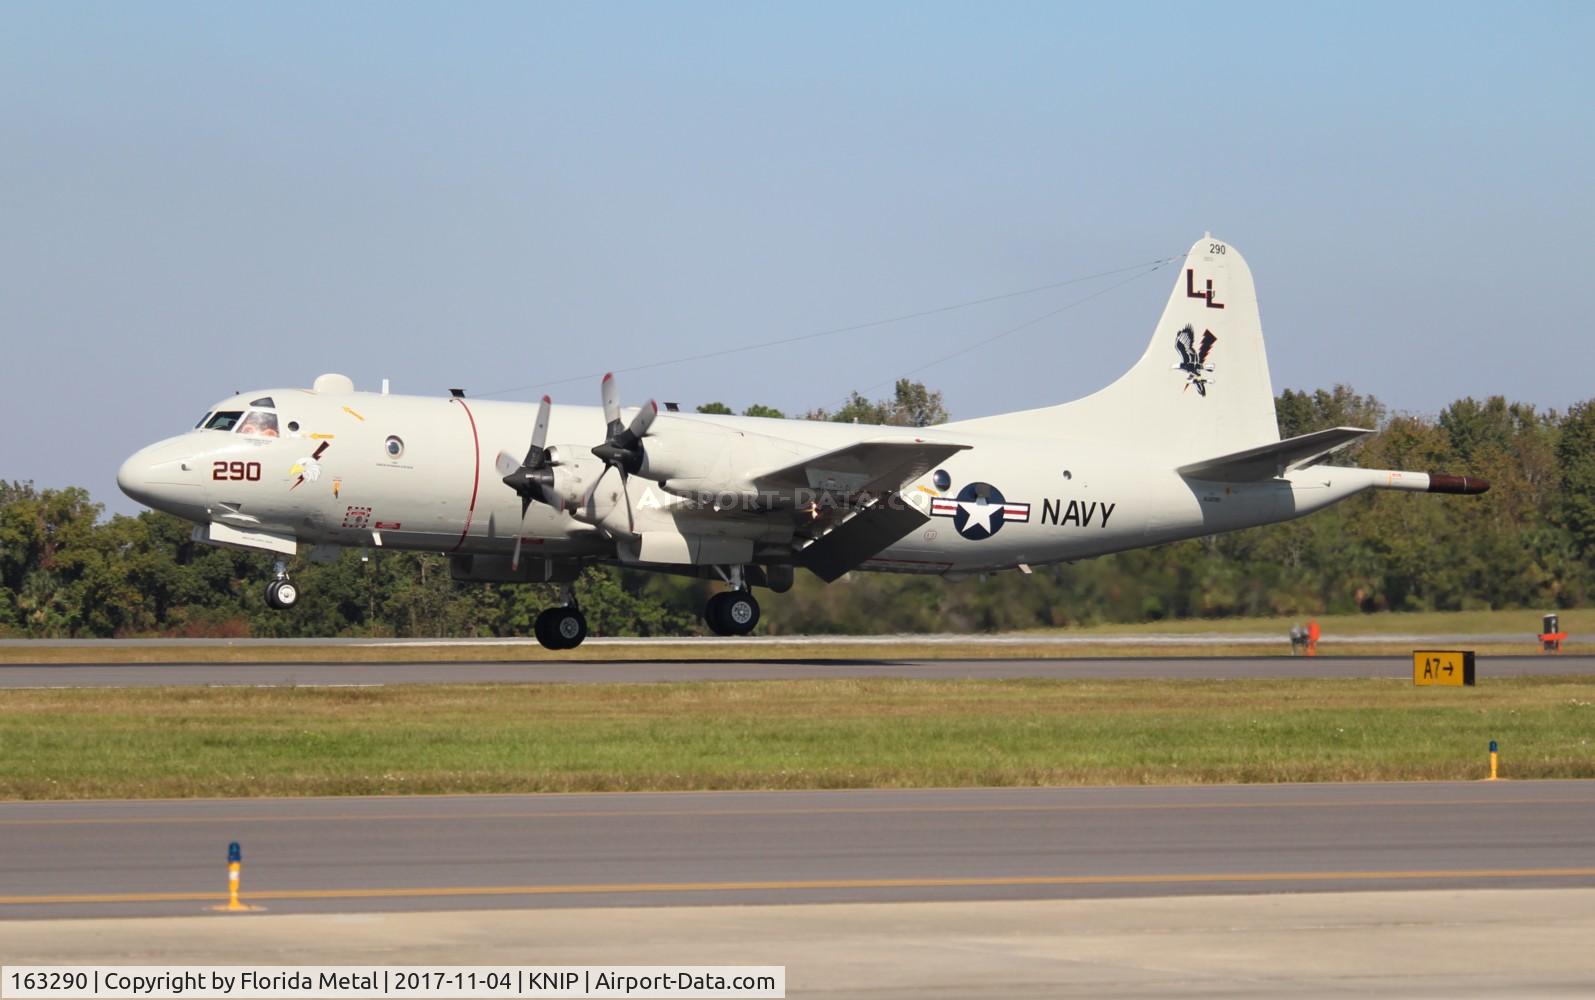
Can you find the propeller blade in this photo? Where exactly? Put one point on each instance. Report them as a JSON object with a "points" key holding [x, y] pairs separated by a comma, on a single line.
{"points": [[540, 430], [610, 393], [625, 494], [506, 464], [515, 557], [642, 421], [531, 478], [592, 491]]}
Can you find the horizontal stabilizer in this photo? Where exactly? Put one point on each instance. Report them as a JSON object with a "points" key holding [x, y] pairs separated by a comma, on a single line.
{"points": [[867, 467], [1269, 461]]}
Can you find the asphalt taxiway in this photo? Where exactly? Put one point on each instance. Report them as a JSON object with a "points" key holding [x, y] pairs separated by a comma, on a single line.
{"points": [[628, 671], [703, 848]]}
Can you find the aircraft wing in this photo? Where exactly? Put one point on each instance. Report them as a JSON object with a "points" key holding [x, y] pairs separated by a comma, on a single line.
{"points": [[1269, 461], [842, 536], [872, 467], [857, 536]]}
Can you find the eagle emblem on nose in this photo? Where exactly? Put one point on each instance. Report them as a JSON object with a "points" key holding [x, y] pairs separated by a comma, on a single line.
{"points": [[308, 469]]}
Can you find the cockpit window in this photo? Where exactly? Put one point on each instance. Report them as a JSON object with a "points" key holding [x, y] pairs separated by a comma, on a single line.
{"points": [[224, 420], [264, 401], [259, 422], [202, 420]]}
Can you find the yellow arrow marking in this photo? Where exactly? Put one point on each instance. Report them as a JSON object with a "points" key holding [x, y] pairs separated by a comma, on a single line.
{"points": [[350, 410]]}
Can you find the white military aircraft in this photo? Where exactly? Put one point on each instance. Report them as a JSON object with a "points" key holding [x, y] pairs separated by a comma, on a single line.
{"points": [[1184, 444]]}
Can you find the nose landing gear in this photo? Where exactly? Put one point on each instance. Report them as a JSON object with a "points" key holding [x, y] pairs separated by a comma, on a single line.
{"points": [[281, 594]]}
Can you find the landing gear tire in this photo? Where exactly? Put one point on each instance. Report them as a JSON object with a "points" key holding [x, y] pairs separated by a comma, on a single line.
{"points": [[734, 612], [560, 628], [281, 594]]}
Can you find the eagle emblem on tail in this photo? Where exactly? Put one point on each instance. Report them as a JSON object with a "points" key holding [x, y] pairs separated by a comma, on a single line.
{"points": [[1193, 359]]}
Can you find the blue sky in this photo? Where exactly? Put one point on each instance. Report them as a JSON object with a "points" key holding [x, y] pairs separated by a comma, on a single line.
{"points": [[197, 198]]}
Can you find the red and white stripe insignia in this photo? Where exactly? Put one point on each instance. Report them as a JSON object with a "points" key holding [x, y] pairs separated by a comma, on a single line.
{"points": [[946, 507]]}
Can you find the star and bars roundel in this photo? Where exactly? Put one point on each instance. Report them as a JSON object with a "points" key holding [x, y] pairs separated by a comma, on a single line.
{"points": [[979, 511]]}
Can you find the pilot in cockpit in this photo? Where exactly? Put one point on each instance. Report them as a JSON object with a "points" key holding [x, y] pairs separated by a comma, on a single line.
{"points": [[259, 423]]}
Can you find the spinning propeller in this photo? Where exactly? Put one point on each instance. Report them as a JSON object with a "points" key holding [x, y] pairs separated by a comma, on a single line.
{"points": [[622, 448], [532, 479]]}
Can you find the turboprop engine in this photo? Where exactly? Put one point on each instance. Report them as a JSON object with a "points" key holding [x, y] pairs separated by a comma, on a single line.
{"points": [[710, 465], [556, 477], [569, 477]]}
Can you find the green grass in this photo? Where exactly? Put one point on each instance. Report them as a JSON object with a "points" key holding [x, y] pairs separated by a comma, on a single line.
{"points": [[133, 743]]}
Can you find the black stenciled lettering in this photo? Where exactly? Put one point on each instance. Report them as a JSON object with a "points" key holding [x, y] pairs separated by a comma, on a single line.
{"points": [[1050, 509]]}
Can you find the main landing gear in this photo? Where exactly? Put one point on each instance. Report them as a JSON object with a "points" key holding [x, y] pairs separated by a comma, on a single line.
{"points": [[281, 594], [563, 627], [733, 612]]}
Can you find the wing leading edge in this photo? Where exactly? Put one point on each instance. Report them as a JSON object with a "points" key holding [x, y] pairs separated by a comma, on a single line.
{"points": [[868, 467], [1274, 459]]}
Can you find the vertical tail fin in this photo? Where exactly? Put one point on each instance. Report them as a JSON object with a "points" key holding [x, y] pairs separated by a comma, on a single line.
{"points": [[1202, 387]]}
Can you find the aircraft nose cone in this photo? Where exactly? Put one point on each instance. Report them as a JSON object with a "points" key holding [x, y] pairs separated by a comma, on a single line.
{"points": [[133, 478], [161, 476]]}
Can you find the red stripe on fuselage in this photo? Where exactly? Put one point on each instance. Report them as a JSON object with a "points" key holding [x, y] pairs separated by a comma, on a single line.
{"points": [[476, 478]]}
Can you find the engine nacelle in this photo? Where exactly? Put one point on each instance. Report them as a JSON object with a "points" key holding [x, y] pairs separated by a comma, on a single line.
{"points": [[711, 466], [574, 471], [686, 455]]}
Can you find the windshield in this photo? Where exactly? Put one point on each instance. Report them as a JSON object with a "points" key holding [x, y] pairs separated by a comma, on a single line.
{"points": [[202, 420], [224, 420]]}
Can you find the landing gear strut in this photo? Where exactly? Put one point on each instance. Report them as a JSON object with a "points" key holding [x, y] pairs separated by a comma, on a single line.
{"points": [[281, 594], [563, 627]]}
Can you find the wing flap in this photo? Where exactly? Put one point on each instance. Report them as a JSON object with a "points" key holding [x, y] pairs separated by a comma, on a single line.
{"points": [[858, 538], [1272, 460]]}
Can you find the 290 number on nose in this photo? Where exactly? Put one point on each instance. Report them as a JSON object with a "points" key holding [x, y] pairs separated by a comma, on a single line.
{"points": [[249, 471]]}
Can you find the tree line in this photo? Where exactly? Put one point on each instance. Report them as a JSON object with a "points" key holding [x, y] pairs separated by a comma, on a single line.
{"points": [[65, 570]]}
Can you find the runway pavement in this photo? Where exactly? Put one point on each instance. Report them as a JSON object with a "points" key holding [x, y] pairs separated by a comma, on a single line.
{"points": [[1059, 639], [46, 675], [704, 848], [1443, 944]]}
